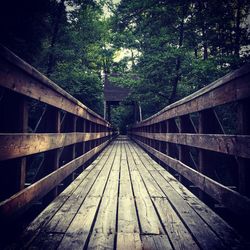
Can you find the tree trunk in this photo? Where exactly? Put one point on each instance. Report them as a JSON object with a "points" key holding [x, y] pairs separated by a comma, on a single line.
{"points": [[237, 28], [202, 10], [178, 60], [51, 57]]}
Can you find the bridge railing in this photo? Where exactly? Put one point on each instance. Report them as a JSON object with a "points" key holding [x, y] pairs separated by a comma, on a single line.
{"points": [[66, 135], [189, 138]]}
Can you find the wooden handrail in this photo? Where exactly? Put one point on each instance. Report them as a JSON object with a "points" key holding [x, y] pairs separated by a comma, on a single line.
{"points": [[19, 145], [19, 202], [20, 77], [230, 88], [171, 136], [66, 144], [237, 145]]}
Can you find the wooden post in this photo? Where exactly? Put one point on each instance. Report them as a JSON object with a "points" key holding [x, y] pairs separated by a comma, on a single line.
{"points": [[184, 128], [108, 111], [51, 159], [105, 110], [172, 128], [208, 124], [243, 128], [167, 144], [91, 131], [14, 119], [74, 145]]}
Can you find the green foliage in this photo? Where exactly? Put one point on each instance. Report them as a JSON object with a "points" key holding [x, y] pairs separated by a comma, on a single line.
{"points": [[183, 45], [172, 47]]}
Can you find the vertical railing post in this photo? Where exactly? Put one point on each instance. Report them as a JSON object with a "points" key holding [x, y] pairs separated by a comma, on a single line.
{"points": [[172, 128], [91, 131], [167, 144], [14, 119], [51, 160], [74, 121], [184, 128], [243, 128]]}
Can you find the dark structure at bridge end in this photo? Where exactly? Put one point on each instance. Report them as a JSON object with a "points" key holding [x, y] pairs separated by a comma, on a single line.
{"points": [[114, 95]]}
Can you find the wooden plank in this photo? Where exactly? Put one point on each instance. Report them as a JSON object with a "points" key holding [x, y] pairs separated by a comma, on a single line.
{"points": [[125, 182], [62, 219], [20, 201], [79, 230], [16, 145], [177, 232], [128, 241], [98, 187], [237, 145], [218, 225], [43, 89], [231, 199], [103, 235], [104, 231], [232, 87], [179, 235], [47, 241], [173, 189], [157, 242], [127, 218], [150, 183], [149, 221], [42, 219], [112, 184], [37, 225]]}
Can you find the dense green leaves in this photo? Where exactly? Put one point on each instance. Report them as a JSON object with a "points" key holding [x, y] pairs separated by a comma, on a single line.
{"points": [[184, 45], [161, 50]]}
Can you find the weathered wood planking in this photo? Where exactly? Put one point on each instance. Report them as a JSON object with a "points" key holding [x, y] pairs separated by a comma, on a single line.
{"points": [[104, 231], [173, 188], [175, 228], [60, 221], [232, 87], [127, 217], [129, 241], [17, 145], [238, 145], [107, 219], [46, 215], [174, 206], [23, 199], [19, 76], [224, 195], [149, 221]]}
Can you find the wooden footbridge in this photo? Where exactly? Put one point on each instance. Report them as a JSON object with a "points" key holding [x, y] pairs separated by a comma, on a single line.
{"points": [[104, 191]]}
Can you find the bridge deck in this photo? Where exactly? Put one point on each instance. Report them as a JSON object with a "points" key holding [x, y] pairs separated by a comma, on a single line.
{"points": [[125, 200]]}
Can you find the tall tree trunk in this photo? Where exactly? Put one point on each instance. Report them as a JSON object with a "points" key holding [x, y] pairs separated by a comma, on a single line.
{"points": [[237, 28], [202, 10], [205, 46], [51, 57], [178, 59]]}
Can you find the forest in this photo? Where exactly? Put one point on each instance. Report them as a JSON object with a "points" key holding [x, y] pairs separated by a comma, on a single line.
{"points": [[162, 50]]}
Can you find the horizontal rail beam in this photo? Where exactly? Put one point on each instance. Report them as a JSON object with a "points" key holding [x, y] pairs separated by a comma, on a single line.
{"points": [[238, 145], [231, 199], [19, 202], [20, 77], [232, 87], [18, 145]]}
